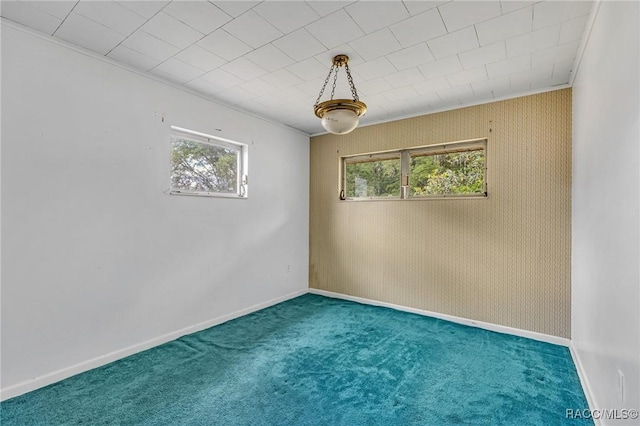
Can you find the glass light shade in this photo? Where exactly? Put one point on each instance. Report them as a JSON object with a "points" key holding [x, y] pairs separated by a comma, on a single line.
{"points": [[340, 121]]}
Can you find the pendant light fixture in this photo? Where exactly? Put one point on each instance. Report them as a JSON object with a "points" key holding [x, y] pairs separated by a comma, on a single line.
{"points": [[339, 116]]}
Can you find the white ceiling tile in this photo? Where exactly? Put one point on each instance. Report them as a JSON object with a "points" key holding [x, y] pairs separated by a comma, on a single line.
{"points": [[286, 15], [519, 87], [258, 87], [335, 29], [467, 76], [376, 44], [376, 68], [418, 6], [411, 56], [441, 67], [545, 84], [572, 29], [84, 32], [460, 92], [235, 8], [509, 66], [491, 87], [131, 57], [400, 93], [144, 8], [537, 40], [200, 58], [283, 79], [59, 8], [221, 79], [377, 85], [511, 5], [433, 85], [460, 14], [556, 54], [237, 97], [293, 94], [110, 14], [422, 27], [224, 45], [270, 101], [404, 78], [552, 12], [562, 70], [269, 57], [22, 13], [176, 70], [483, 55], [371, 16], [453, 43], [299, 45], [324, 8], [312, 87], [201, 15], [203, 86], [505, 26], [309, 69], [534, 75], [169, 29], [150, 46], [252, 29], [244, 69]]}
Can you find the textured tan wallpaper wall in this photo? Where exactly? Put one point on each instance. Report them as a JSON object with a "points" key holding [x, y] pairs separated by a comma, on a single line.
{"points": [[504, 259]]}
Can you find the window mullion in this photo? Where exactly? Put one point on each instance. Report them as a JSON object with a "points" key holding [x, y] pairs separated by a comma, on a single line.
{"points": [[405, 168]]}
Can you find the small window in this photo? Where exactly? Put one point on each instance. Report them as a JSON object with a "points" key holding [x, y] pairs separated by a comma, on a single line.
{"points": [[443, 173], [207, 165], [373, 176], [456, 169]]}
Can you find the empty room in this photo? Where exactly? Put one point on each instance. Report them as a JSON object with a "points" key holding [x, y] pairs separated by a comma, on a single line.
{"points": [[320, 212]]}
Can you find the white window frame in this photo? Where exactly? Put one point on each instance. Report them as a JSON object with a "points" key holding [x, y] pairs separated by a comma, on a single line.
{"points": [[405, 169], [242, 176]]}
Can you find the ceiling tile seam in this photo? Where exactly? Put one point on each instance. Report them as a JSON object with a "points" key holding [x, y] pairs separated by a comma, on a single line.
{"points": [[354, 21], [407, 9], [195, 29], [442, 19], [180, 60], [64, 19], [139, 29]]}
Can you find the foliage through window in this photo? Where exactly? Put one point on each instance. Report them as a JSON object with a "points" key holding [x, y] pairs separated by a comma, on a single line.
{"points": [[373, 178], [207, 165], [450, 170]]}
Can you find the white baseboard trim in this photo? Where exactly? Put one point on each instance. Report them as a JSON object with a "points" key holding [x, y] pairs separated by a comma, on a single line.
{"points": [[56, 376], [465, 321], [584, 381]]}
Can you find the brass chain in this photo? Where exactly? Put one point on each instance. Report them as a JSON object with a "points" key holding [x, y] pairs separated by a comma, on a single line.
{"points": [[326, 81], [335, 79], [353, 87], [336, 68]]}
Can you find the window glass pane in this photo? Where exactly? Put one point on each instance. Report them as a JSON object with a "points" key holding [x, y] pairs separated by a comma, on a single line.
{"points": [[452, 173], [373, 178], [201, 167]]}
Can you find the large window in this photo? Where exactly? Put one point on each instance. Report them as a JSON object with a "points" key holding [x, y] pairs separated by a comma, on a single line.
{"points": [[437, 171], [207, 165]]}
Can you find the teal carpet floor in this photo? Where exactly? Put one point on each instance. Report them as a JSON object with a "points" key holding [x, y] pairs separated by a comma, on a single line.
{"points": [[314, 360]]}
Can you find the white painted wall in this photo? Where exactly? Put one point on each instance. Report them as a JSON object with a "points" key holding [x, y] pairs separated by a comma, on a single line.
{"points": [[96, 257], [606, 208]]}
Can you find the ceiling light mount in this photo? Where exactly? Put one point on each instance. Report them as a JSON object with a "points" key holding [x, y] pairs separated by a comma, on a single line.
{"points": [[339, 116]]}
